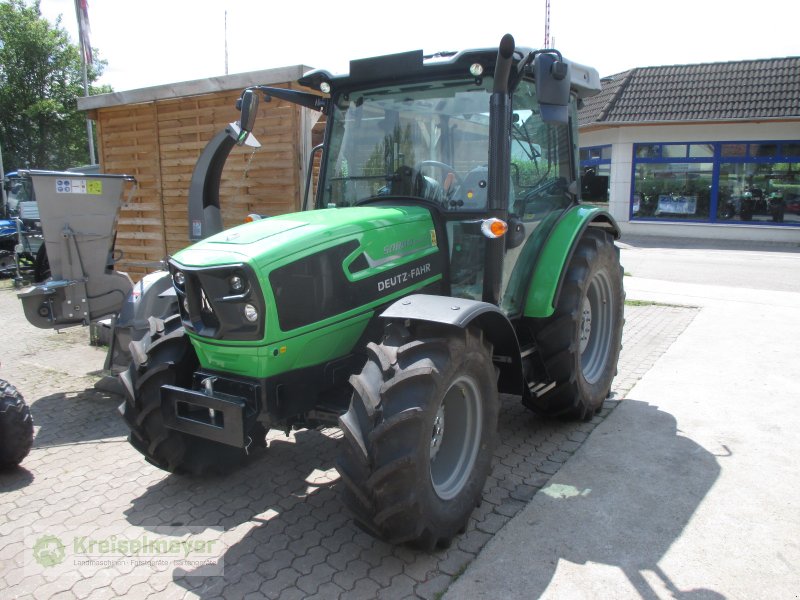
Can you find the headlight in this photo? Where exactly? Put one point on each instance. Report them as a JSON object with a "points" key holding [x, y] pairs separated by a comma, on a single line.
{"points": [[250, 313], [236, 283], [180, 278]]}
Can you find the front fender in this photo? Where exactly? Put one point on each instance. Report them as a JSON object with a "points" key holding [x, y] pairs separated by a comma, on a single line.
{"points": [[461, 313], [545, 284]]}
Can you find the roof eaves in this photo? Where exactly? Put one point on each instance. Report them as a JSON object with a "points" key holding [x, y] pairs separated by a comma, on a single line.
{"points": [[196, 87], [636, 123]]}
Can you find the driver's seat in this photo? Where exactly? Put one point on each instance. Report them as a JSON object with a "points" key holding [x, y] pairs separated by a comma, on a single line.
{"points": [[409, 182]]}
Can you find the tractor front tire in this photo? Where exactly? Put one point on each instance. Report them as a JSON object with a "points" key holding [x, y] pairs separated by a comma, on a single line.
{"points": [[16, 427], [419, 434], [581, 341], [170, 360]]}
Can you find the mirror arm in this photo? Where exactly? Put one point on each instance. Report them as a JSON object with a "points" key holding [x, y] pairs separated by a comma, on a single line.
{"points": [[311, 101]]}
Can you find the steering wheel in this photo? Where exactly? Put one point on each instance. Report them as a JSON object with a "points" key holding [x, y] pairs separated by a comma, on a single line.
{"points": [[452, 180]]}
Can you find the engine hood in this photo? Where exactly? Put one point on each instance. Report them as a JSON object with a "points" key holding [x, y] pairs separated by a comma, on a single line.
{"points": [[267, 240]]}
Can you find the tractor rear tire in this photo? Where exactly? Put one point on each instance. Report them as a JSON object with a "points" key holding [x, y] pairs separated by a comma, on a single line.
{"points": [[171, 360], [16, 427], [419, 434], [581, 341]]}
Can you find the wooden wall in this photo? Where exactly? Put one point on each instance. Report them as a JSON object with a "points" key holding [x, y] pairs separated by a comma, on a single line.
{"points": [[159, 142]]}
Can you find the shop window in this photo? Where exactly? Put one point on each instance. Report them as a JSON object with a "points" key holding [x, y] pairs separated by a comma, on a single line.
{"points": [[672, 191], [791, 150], [763, 150], [594, 184], [673, 151], [734, 150], [759, 192], [752, 183], [595, 174], [701, 151], [648, 151]]}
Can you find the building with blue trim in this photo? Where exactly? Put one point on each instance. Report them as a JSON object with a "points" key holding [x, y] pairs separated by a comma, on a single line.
{"points": [[704, 151]]}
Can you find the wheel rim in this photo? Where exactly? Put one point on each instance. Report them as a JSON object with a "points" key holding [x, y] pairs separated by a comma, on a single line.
{"points": [[595, 328], [455, 438]]}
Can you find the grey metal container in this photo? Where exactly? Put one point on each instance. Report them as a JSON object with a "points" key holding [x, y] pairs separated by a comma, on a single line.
{"points": [[79, 215]]}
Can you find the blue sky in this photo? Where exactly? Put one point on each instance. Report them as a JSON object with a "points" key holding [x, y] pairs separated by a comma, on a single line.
{"points": [[148, 42]]}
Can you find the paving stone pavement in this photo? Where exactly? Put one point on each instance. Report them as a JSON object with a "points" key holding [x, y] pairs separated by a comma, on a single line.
{"points": [[285, 531]]}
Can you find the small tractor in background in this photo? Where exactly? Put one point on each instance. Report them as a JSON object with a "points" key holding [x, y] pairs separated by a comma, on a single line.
{"points": [[447, 259], [16, 427], [21, 248]]}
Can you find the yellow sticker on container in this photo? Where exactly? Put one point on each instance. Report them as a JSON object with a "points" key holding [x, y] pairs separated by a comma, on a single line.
{"points": [[94, 186]]}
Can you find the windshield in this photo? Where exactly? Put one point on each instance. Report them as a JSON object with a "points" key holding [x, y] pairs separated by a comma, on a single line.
{"points": [[420, 141], [17, 190]]}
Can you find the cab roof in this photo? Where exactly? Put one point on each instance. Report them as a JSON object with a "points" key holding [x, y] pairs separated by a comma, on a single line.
{"points": [[415, 66]]}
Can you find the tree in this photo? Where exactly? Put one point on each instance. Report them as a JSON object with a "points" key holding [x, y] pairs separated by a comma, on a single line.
{"points": [[40, 82]]}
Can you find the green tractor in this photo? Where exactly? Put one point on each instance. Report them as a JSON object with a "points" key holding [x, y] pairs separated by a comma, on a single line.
{"points": [[447, 259]]}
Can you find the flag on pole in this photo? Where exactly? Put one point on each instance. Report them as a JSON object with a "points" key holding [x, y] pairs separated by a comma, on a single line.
{"points": [[82, 8]]}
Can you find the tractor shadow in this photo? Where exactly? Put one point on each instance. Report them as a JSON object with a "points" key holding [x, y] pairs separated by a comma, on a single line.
{"points": [[64, 418], [623, 503], [283, 516], [280, 506], [15, 478], [289, 472]]}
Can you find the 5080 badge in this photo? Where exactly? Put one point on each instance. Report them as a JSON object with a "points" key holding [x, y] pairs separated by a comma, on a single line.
{"points": [[404, 277]]}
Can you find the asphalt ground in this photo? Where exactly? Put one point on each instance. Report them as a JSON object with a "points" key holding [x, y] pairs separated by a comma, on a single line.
{"points": [[283, 529]]}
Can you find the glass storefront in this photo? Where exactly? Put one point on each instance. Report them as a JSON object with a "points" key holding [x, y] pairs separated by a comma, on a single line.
{"points": [[751, 182]]}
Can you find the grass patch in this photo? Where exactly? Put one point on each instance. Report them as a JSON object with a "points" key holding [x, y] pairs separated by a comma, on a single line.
{"points": [[641, 303], [653, 303]]}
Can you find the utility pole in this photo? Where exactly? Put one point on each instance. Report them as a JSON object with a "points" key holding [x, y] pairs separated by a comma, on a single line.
{"points": [[86, 52], [547, 23], [226, 41]]}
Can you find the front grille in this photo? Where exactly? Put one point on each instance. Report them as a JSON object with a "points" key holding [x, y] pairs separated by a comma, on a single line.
{"points": [[211, 308]]}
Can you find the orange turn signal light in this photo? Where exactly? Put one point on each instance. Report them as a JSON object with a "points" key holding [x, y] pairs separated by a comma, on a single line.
{"points": [[494, 228], [252, 217]]}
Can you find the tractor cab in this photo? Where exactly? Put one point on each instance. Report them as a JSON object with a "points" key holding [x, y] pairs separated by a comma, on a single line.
{"points": [[18, 189], [485, 138], [456, 137]]}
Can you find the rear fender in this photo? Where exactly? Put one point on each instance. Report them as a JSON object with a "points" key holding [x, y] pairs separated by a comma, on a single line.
{"points": [[548, 273], [461, 313]]}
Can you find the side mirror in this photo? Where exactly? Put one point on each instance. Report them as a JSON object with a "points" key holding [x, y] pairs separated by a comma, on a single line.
{"points": [[552, 87], [516, 232], [248, 105]]}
